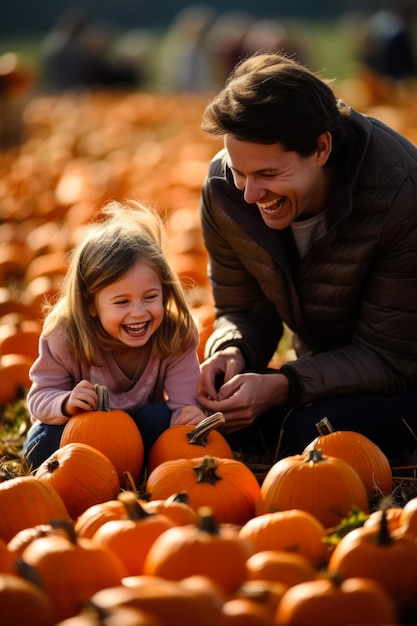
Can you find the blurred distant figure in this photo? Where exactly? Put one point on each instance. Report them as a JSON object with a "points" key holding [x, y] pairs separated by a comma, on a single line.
{"points": [[63, 53], [225, 41], [76, 54], [184, 61], [272, 35], [388, 48], [16, 84], [235, 35]]}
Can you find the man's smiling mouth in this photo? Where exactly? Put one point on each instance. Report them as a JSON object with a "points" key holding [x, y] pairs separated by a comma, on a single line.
{"points": [[271, 205]]}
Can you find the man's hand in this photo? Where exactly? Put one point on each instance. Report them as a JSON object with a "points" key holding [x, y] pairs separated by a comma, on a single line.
{"points": [[243, 398], [219, 369]]}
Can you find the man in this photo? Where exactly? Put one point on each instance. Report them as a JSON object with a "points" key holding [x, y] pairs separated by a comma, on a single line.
{"points": [[309, 215]]}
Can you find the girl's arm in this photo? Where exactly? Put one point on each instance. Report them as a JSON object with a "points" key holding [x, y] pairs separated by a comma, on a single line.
{"points": [[182, 377], [54, 375]]}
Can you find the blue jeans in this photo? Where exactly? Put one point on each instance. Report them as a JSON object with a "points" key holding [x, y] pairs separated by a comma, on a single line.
{"points": [[43, 439], [388, 420]]}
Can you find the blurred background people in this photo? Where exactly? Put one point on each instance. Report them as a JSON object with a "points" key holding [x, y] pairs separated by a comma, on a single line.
{"points": [[388, 47], [78, 54]]}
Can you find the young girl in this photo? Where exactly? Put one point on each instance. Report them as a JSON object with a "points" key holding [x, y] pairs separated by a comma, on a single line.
{"points": [[121, 321]]}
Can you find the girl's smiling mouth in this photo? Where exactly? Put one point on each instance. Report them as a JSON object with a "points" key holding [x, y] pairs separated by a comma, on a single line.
{"points": [[136, 330]]}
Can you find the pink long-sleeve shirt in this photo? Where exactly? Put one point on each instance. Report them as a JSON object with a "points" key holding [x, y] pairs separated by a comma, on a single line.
{"points": [[173, 380]]}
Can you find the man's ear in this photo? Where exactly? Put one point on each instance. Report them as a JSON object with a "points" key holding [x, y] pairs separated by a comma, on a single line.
{"points": [[324, 147]]}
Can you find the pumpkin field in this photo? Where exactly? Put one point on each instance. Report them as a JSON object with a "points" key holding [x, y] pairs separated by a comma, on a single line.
{"points": [[195, 533]]}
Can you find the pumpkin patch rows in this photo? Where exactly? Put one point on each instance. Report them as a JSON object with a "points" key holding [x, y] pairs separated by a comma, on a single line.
{"points": [[190, 535], [203, 539]]}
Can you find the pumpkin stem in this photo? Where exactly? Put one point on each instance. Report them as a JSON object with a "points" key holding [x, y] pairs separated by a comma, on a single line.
{"points": [[324, 427], [130, 483], [335, 578], [66, 527], [206, 471], [383, 536], [28, 572], [182, 497], [207, 522], [134, 510], [103, 403], [315, 456], [52, 465], [199, 435]]}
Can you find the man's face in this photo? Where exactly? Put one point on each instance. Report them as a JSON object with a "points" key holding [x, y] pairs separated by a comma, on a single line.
{"points": [[283, 185]]}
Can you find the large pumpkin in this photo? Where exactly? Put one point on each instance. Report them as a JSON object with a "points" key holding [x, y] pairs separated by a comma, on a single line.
{"points": [[325, 486], [26, 501], [81, 474], [360, 452], [190, 441], [334, 602], [72, 569], [23, 602], [112, 431], [293, 530], [132, 535], [390, 558], [205, 549], [228, 486]]}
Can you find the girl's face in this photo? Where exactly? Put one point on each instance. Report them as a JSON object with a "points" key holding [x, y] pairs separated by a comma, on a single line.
{"points": [[282, 184], [131, 309]]}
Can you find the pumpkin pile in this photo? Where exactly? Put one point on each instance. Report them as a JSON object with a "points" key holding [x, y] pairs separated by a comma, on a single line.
{"points": [[205, 541]]}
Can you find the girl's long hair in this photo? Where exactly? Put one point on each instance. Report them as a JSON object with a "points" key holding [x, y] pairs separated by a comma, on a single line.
{"points": [[127, 233]]}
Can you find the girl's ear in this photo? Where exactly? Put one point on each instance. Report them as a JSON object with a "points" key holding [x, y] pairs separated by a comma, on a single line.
{"points": [[92, 310]]}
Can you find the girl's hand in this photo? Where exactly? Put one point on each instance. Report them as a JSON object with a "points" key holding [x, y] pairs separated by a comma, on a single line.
{"points": [[81, 399], [190, 415]]}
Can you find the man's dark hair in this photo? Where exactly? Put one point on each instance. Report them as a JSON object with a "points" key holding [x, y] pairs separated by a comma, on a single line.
{"points": [[270, 98]]}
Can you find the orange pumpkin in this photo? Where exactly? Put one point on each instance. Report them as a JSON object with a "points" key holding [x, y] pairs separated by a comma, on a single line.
{"points": [[206, 549], [112, 431], [26, 501], [14, 376], [23, 602], [19, 336], [334, 602], [189, 441], [408, 516], [246, 611], [96, 515], [393, 515], [91, 615], [390, 558], [132, 536], [287, 568], [359, 451], [253, 604], [226, 485], [167, 601], [7, 558], [325, 486], [293, 530], [176, 507], [72, 569], [81, 474], [21, 539]]}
